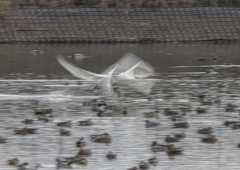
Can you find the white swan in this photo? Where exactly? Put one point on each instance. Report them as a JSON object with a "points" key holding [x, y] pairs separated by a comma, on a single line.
{"points": [[130, 69]]}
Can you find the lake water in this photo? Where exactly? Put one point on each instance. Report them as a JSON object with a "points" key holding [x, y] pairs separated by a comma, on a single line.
{"points": [[26, 77]]}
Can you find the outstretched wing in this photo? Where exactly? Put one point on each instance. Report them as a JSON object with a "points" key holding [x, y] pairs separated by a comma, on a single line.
{"points": [[80, 73], [127, 62]]}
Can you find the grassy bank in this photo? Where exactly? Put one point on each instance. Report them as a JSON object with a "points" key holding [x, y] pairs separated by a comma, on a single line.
{"points": [[9, 4]]}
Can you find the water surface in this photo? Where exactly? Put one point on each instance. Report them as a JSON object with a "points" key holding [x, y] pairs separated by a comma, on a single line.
{"points": [[25, 77]]}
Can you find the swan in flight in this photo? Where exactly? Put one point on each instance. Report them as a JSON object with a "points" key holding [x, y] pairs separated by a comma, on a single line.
{"points": [[129, 70]]}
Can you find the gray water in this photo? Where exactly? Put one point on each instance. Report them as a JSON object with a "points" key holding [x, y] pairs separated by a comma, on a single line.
{"points": [[26, 77]]}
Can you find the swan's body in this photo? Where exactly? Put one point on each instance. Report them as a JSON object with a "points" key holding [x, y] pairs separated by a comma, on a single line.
{"points": [[129, 68]]}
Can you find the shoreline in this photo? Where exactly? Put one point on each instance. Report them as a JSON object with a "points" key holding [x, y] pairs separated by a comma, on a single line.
{"points": [[121, 25]]}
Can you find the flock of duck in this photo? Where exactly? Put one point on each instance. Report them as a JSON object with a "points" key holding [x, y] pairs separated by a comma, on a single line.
{"points": [[45, 115], [102, 109]]}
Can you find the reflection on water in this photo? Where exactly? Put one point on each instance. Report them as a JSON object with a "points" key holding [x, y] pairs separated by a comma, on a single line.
{"points": [[25, 77]]}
